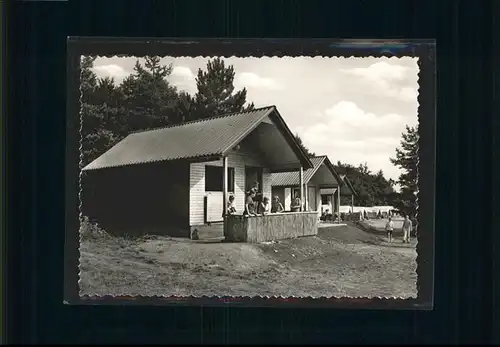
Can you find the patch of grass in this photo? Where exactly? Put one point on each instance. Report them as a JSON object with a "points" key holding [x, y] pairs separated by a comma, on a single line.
{"points": [[90, 231]]}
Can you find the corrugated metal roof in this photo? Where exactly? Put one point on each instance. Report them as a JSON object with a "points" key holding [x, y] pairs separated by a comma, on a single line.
{"points": [[280, 179], [202, 138]]}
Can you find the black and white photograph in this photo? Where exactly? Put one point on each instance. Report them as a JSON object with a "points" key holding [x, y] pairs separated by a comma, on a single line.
{"points": [[225, 176]]}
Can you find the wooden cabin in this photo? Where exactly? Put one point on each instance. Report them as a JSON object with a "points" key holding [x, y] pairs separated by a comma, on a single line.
{"points": [[175, 179], [321, 177], [329, 197]]}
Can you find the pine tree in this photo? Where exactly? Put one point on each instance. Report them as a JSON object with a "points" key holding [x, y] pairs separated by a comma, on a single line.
{"points": [[216, 94], [100, 111], [148, 97], [363, 168], [407, 160], [88, 79], [107, 93], [186, 107]]}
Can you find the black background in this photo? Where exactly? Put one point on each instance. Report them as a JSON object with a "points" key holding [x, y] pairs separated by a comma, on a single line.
{"points": [[36, 88]]}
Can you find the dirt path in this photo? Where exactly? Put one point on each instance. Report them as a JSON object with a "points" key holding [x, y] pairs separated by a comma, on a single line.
{"points": [[340, 261]]}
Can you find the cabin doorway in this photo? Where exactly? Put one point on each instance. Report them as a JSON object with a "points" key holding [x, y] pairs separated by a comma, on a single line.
{"points": [[326, 203], [253, 179]]}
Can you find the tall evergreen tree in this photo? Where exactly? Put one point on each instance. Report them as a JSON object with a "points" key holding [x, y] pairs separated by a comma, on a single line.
{"points": [[148, 97], [186, 107], [100, 112], [407, 160], [88, 79], [216, 93], [106, 93]]}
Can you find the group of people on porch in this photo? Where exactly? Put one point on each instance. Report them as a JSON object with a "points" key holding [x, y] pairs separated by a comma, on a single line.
{"points": [[256, 204]]}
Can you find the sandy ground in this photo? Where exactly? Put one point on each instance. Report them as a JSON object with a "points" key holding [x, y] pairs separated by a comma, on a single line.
{"points": [[377, 226], [340, 261]]}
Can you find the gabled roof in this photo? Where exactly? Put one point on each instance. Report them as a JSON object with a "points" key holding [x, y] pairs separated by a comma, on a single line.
{"points": [[283, 179], [348, 183], [206, 138]]}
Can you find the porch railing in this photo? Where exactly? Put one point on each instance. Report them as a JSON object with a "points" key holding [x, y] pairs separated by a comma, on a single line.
{"points": [[275, 226]]}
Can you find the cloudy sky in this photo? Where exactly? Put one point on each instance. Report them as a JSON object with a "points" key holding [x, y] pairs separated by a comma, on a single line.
{"points": [[351, 109]]}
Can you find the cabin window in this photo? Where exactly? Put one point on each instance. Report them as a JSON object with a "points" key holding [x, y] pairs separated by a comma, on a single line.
{"points": [[324, 199], [214, 176]]}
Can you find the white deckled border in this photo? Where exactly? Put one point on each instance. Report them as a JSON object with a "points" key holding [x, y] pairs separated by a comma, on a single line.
{"points": [[221, 297]]}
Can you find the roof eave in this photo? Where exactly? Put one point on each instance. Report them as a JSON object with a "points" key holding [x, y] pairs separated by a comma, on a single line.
{"points": [[196, 159], [280, 123], [351, 187], [247, 132]]}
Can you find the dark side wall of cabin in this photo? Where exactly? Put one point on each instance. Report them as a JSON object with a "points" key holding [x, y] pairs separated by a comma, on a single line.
{"points": [[139, 199]]}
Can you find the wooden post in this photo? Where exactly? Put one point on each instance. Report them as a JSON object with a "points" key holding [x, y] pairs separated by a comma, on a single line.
{"points": [[352, 203], [306, 196], [224, 187], [334, 206], [338, 203], [301, 183]]}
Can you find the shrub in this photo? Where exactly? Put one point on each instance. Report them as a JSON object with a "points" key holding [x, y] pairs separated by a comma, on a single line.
{"points": [[89, 230]]}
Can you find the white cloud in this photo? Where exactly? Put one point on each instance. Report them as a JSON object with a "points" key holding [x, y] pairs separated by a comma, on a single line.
{"points": [[111, 70], [408, 94], [349, 134], [184, 72], [382, 78], [183, 78], [348, 116], [380, 70], [252, 80]]}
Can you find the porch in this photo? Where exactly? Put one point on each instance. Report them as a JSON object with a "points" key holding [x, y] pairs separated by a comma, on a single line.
{"points": [[319, 184], [275, 226]]}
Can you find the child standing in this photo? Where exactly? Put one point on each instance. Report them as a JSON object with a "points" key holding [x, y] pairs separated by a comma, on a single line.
{"points": [[389, 228], [264, 206]]}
